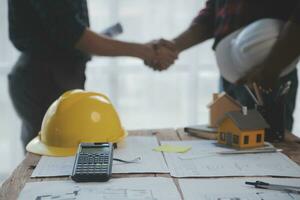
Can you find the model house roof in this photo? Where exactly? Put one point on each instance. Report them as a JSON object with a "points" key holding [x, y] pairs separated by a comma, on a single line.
{"points": [[221, 96], [250, 121]]}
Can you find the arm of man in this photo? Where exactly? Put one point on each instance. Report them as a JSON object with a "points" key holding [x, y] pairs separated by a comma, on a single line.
{"points": [[200, 29], [284, 52], [93, 43], [194, 35], [64, 28]]}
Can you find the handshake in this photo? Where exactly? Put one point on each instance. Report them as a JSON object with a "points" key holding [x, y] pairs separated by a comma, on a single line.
{"points": [[160, 54]]}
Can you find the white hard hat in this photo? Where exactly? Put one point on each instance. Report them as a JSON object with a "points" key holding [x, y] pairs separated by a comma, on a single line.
{"points": [[248, 47]]}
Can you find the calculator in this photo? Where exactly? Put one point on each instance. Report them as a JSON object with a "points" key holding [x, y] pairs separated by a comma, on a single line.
{"points": [[93, 162]]}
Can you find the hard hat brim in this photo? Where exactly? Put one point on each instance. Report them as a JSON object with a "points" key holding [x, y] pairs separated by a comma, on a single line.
{"points": [[36, 146]]}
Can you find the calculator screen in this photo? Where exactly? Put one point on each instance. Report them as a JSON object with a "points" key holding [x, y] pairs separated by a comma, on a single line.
{"points": [[94, 149]]}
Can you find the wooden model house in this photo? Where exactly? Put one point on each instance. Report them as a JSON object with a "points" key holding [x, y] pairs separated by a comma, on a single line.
{"points": [[221, 104], [242, 129]]}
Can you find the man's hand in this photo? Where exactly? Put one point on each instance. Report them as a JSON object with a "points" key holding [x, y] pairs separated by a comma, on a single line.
{"points": [[166, 54], [284, 52], [263, 75]]}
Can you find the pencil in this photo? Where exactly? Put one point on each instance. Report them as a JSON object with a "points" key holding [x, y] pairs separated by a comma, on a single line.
{"points": [[251, 94], [259, 97]]}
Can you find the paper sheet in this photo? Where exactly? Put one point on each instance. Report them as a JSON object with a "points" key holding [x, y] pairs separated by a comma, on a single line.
{"points": [[132, 147], [172, 149], [214, 165], [146, 188], [235, 189], [54, 166]]}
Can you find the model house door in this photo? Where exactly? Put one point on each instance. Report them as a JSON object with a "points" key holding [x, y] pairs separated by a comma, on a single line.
{"points": [[228, 137]]}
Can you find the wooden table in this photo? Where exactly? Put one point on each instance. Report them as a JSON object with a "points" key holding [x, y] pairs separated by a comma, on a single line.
{"points": [[21, 175]]}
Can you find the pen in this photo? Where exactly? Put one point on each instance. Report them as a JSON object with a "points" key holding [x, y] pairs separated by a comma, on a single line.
{"points": [[284, 188], [286, 88], [252, 95], [270, 150], [258, 94], [283, 89]]}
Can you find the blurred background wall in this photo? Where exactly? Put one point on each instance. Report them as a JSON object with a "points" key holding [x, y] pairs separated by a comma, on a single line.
{"points": [[143, 98]]}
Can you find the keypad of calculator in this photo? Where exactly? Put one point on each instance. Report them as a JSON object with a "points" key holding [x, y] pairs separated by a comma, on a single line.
{"points": [[92, 163]]}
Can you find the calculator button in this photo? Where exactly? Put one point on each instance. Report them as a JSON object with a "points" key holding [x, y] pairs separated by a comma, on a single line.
{"points": [[80, 160]]}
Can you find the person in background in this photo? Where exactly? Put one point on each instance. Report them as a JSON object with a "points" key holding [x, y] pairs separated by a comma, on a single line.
{"points": [[55, 42], [223, 20]]}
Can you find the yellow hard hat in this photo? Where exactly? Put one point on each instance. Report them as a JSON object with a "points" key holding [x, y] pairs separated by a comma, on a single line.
{"points": [[77, 116]]}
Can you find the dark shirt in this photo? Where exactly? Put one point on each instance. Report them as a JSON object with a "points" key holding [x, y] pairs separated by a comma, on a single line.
{"points": [[223, 17], [48, 28]]}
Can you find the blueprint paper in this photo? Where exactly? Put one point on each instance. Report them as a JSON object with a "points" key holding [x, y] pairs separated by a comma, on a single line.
{"points": [[212, 164], [235, 189], [132, 147], [140, 146], [54, 166], [146, 188]]}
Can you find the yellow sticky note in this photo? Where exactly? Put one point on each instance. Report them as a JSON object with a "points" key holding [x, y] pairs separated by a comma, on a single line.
{"points": [[172, 148]]}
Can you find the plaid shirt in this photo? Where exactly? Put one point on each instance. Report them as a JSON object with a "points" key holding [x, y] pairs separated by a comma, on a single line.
{"points": [[48, 28], [223, 17]]}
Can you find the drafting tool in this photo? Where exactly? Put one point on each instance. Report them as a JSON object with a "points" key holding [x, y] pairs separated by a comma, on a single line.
{"points": [[267, 150], [279, 91], [252, 95], [258, 94], [283, 89], [286, 88], [284, 188]]}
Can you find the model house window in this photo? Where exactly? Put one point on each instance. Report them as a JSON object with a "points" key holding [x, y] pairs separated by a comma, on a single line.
{"points": [[258, 138], [235, 139], [246, 139]]}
